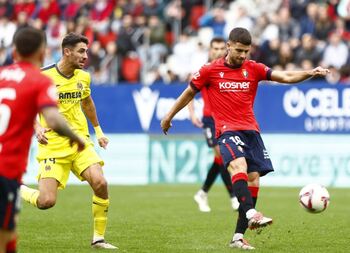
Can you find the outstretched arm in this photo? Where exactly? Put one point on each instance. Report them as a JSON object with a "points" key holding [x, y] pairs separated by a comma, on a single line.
{"points": [[88, 106], [186, 96], [297, 76]]}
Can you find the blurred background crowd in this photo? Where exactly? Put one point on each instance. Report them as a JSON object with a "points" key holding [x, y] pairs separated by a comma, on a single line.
{"points": [[152, 41]]}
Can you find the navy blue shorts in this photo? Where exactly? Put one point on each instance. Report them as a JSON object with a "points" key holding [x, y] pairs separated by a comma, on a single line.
{"points": [[9, 203], [209, 131], [248, 144]]}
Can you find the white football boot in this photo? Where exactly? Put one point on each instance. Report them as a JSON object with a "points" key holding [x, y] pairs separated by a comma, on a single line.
{"points": [[241, 244], [201, 197], [102, 244], [235, 203]]}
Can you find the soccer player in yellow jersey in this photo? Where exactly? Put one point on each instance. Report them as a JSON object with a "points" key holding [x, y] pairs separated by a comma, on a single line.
{"points": [[56, 157]]}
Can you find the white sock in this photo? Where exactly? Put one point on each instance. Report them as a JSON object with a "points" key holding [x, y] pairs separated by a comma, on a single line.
{"points": [[237, 236], [250, 213], [97, 238], [201, 192]]}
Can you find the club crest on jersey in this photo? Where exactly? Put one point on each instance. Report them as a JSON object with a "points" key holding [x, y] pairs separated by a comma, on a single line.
{"points": [[245, 73], [221, 74], [79, 86]]}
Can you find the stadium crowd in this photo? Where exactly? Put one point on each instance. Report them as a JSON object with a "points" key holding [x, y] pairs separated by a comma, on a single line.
{"points": [[148, 41]]}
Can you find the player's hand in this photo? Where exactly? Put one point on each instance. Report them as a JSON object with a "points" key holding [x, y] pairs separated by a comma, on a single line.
{"points": [[165, 125], [79, 141], [103, 142], [319, 71], [40, 135], [196, 122]]}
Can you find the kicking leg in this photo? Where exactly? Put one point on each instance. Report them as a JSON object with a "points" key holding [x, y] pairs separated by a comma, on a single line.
{"points": [[43, 198]]}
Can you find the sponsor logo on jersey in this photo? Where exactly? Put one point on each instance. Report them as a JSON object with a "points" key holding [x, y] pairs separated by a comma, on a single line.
{"points": [[231, 86], [70, 97], [196, 75], [245, 73], [79, 86]]}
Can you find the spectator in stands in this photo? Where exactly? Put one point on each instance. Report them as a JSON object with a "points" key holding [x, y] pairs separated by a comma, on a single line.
{"points": [[45, 9], [285, 56], [336, 52], [308, 51], [152, 8], [215, 19], [7, 30], [308, 22], [324, 24], [238, 17], [55, 31], [288, 28], [124, 41], [27, 6], [6, 9], [110, 65]]}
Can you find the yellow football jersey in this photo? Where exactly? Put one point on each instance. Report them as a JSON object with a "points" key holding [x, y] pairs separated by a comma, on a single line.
{"points": [[71, 90]]}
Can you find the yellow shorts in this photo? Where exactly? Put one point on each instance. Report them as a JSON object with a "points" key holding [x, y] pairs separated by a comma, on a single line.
{"points": [[59, 168]]}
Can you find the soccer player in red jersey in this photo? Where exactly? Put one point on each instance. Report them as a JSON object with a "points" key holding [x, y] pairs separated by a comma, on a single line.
{"points": [[217, 50], [24, 92], [232, 82]]}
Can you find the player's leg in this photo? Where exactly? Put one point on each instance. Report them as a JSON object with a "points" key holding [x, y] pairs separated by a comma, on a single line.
{"points": [[242, 221], [201, 197], [5, 238], [53, 174], [234, 147], [225, 175], [100, 203], [44, 197], [9, 208], [87, 166]]}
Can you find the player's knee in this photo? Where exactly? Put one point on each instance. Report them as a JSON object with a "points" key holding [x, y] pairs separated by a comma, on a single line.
{"points": [[238, 165], [46, 202], [100, 184]]}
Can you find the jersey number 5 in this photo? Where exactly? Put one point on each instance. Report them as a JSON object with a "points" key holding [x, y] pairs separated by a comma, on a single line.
{"points": [[5, 111]]}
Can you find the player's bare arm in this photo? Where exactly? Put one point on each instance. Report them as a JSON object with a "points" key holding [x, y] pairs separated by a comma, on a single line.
{"points": [[57, 123], [195, 120], [88, 106], [297, 76], [186, 96]]}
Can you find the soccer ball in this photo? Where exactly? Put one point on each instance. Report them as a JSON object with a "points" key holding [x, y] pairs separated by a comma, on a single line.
{"points": [[314, 198]]}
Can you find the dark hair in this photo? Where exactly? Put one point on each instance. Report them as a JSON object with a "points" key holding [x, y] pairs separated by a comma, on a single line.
{"points": [[71, 39], [217, 40], [240, 35], [28, 40]]}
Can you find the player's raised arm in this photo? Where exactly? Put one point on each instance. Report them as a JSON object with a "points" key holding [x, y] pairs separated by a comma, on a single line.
{"points": [[88, 106], [186, 96], [297, 76], [57, 123]]}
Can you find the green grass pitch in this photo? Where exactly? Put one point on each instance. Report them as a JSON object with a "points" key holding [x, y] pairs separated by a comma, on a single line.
{"points": [[164, 218]]}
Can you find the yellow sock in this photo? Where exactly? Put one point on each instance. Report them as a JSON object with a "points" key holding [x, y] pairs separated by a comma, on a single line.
{"points": [[29, 195], [99, 210]]}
